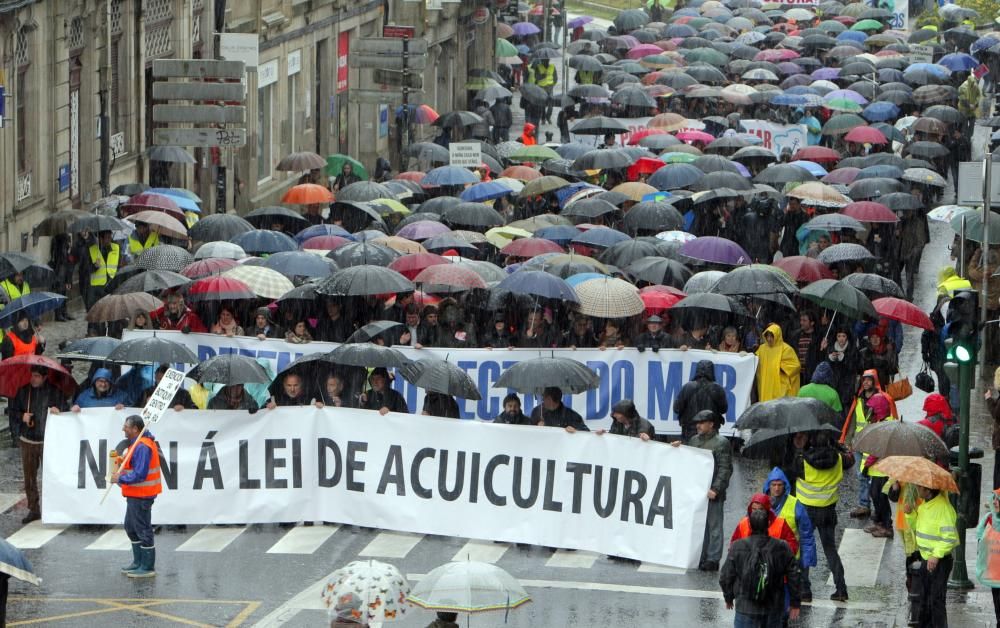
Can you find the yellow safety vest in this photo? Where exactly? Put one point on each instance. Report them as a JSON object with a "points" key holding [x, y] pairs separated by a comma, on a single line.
{"points": [[12, 290], [819, 487], [135, 247], [934, 526], [788, 514], [545, 76], [103, 269]]}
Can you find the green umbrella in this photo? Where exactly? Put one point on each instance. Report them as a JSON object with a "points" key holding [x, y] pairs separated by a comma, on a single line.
{"points": [[335, 163], [843, 104], [678, 158], [974, 226], [505, 49], [840, 297], [534, 153], [477, 83], [842, 123], [710, 56], [868, 25]]}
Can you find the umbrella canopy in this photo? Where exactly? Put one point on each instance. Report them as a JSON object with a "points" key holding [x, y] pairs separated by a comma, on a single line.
{"points": [[216, 288], [364, 280], [307, 194], [163, 257], [118, 307], [755, 279], [366, 592], [230, 369], [895, 438], [469, 587], [537, 283], [804, 269], [216, 227], [152, 350], [265, 217], [14, 563], [220, 250], [265, 242], [299, 264], [875, 284], [58, 223], [973, 224], [449, 278], [15, 373], [903, 311], [917, 470], [206, 267], [152, 281], [160, 222], [609, 298], [764, 443], [715, 250], [787, 412], [870, 211], [372, 330], [94, 348], [844, 252], [305, 160], [711, 302], [368, 355], [437, 375], [534, 375], [266, 283], [362, 253], [32, 305], [659, 270], [839, 297]]}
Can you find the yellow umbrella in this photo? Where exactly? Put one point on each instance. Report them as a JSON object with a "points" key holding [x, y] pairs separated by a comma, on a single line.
{"points": [[400, 244], [634, 190], [502, 236], [393, 205]]}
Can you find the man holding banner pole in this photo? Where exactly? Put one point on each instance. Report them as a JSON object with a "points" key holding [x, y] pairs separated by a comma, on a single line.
{"points": [[139, 479]]}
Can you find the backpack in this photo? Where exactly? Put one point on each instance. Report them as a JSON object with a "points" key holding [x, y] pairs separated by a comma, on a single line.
{"points": [[758, 579]]}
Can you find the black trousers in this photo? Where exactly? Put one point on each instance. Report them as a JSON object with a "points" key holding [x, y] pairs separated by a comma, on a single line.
{"points": [[883, 511], [934, 589], [825, 520]]}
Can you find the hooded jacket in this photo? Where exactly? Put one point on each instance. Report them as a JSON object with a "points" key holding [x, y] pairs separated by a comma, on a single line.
{"points": [[801, 524], [949, 282], [528, 136], [778, 370], [90, 399], [782, 564], [847, 434], [701, 393], [7, 348], [939, 415], [776, 530], [823, 387]]}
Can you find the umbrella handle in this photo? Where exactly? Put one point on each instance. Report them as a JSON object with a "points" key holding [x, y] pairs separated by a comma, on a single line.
{"points": [[830, 326]]}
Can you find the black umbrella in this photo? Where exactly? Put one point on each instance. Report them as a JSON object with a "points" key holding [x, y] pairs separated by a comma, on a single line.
{"points": [[630, 20], [534, 375], [58, 223], [219, 227], [130, 189], [900, 201], [764, 443], [658, 270], [363, 191], [458, 118], [441, 376], [163, 257], [598, 125], [874, 188], [624, 253], [368, 355], [589, 208], [362, 253], [152, 350], [603, 159], [800, 413], [875, 284], [710, 301], [715, 163], [477, 215], [722, 179], [783, 173], [755, 280], [371, 330], [535, 94], [925, 150], [152, 281], [448, 241], [632, 96], [264, 217], [12, 263], [96, 223], [365, 280], [94, 349], [428, 151], [229, 369], [655, 216]]}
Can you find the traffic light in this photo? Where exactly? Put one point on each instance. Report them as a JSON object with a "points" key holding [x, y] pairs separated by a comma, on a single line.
{"points": [[962, 335]]}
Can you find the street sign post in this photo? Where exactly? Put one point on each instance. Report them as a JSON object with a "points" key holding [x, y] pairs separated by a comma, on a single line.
{"points": [[223, 138], [396, 79], [199, 114], [465, 154], [921, 54], [399, 32]]}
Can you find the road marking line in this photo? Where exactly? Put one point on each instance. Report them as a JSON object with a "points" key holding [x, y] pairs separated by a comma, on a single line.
{"points": [[861, 554], [652, 568], [391, 545], [572, 560], [9, 500], [309, 598], [211, 539], [34, 535], [481, 551], [112, 540], [303, 539]]}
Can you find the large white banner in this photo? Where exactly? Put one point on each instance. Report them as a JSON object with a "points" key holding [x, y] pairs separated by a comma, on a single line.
{"points": [[609, 494], [777, 137], [633, 125], [652, 380]]}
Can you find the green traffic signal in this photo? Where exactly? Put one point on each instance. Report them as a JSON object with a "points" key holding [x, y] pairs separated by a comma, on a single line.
{"points": [[960, 353]]}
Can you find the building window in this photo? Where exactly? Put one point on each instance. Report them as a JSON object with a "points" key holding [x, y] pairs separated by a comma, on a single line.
{"points": [[292, 113], [264, 133], [22, 59]]}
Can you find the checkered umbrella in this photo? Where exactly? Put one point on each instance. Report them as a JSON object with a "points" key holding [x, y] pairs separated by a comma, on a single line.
{"points": [[264, 282], [116, 307], [609, 298], [163, 257]]}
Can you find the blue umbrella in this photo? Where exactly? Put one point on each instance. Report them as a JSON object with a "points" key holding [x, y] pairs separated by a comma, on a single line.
{"points": [[857, 36], [797, 100], [675, 176], [958, 62], [574, 280], [448, 175], [265, 241], [537, 283], [880, 111], [34, 304], [368, 235], [14, 563], [300, 264], [564, 194], [95, 348], [890, 75], [573, 150], [560, 234], [485, 191], [811, 167], [181, 199], [932, 68], [803, 89], [322, 230], [601, 236], [983, 43]]}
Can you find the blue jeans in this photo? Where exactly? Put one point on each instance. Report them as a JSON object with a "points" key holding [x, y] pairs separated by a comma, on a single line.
{"points": [[745, 620], [139, 520], [864, 488]]}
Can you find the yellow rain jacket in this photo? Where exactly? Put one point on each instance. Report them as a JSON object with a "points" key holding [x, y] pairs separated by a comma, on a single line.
{"points": [[949, 282], [778, 370]]}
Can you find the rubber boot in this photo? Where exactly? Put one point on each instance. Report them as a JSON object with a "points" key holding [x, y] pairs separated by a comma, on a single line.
{"points": [[915, 595], [146, 568], [136, 558]]}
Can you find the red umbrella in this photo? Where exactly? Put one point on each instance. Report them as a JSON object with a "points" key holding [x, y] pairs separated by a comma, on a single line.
{"points": [[635, 136], [206, 267], [307, 194], [865, 135], [15, 373], [521, 173], [816, 153], [449, 278], [422, 298], [324, 243], [411, 175], [663, 290], [218, 288], [644, 165], [410, 265], [804, 269], [869, 211], [695, 136], [903, 311], [530, 247], [657, 302], [154, 202]]}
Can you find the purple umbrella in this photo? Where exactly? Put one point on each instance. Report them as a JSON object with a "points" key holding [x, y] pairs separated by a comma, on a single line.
{"points": [[795, 80], [422, 229], [742, 169], [715, 250], [825, 74], [579, 22], [526, 28], [842, 176], [788, 68], [849, 94]]}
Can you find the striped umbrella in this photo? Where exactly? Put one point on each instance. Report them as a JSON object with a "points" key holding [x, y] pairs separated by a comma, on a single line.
{"points": [[218, 288], [264, 282]]}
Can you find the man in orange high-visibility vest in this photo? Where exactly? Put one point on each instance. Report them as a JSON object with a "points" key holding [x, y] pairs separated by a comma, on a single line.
{"points": [[139, 479]]}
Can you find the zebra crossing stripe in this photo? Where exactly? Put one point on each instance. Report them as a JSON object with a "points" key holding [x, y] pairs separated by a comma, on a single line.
{"points": [[211, 539], [34, 535], [481, 551], [9, 500], [391, 545], [861, 554], [112, 540], [572, 560], [303, 539]]}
